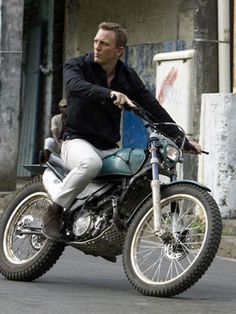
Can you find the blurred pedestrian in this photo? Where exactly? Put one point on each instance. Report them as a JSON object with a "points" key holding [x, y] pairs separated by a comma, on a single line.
{"points": [[53, 144]]}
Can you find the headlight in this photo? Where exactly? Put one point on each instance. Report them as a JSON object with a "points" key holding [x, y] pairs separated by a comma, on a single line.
{"points": [[172, 153]]}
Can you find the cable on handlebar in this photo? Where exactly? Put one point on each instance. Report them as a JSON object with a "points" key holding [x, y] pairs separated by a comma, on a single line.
{"points": [[149, 118]]}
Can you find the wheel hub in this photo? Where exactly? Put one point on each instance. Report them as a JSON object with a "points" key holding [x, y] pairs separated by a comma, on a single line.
{"points": [[37, 241], [171, 255], [177, 249], [22, 224]]}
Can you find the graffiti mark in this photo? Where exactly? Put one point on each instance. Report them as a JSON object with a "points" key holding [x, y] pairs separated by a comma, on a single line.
{"points": [[167, 82]]}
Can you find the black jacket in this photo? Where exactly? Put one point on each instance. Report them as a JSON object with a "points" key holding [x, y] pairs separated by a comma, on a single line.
{"points": [[90, 113]]}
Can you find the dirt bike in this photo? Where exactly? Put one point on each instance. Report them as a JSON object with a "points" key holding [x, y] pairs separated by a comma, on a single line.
{"points": [[167, 232]]}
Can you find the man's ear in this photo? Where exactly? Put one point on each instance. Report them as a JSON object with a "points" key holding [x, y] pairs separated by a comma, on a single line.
{"points": [[120, 51]]}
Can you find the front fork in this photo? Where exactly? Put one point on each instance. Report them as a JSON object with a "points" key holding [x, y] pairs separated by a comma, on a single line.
{"points": [[156, 195], [156, 186]]}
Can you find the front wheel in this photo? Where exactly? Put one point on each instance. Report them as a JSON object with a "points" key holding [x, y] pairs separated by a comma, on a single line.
{"points": [[24, 254], [192, 223]]}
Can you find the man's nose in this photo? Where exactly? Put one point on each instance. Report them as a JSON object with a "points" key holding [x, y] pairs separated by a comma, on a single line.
{"points": [[97, 46]]}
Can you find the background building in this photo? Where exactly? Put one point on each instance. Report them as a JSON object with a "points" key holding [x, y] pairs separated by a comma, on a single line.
{"points": [[36, 37]]}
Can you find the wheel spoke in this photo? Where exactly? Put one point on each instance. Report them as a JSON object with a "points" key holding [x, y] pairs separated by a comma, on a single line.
{"points": [[151, 229], [19, 248], [157, 262], [158, 269]]}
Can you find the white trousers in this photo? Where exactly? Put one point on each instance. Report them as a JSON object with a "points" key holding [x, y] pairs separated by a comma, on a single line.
{"points": [[51, 145], [85, 162]]}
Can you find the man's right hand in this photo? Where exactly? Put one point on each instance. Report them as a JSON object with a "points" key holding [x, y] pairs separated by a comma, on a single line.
{"points": [[121, 99]]}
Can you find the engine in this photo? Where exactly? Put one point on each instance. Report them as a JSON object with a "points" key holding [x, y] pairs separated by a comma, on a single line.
{"points": [[89, 223]]}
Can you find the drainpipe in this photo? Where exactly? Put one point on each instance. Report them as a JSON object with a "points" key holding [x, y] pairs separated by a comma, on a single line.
{"points": [[0, 30], [224, 46], [234, 46]]}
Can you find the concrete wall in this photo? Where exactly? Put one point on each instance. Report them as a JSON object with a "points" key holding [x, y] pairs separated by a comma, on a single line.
{"points": [[218, 136], [10, 78], [0, 26], [234, 45], [150, 21]]}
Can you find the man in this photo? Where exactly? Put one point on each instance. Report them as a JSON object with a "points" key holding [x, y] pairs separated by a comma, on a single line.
{"points": [[53, 144], [92, 127]]}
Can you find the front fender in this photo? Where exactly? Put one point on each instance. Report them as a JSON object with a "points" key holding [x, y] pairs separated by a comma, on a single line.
{"points": [[188, 182], [164, 185]]}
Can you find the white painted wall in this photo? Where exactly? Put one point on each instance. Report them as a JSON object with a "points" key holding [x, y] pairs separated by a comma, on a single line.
{"points": [[224, 46], [174, 89], [218, 136]]}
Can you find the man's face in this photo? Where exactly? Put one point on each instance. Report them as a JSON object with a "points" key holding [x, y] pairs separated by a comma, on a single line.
{"points": [[105, 50]]}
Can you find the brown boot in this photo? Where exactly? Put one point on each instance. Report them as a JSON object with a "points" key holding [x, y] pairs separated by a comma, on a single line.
{"points": [[51, 221]]}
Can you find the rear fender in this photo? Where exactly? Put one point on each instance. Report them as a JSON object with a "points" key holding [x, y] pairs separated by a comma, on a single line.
{"points": [[35, 169]]}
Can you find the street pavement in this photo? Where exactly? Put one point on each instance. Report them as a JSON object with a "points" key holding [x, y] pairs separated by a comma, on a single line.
{"points": [[86, 285]]}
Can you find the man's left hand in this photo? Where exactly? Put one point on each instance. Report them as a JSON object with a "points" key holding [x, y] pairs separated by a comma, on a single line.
{"points": [[195, 148]]}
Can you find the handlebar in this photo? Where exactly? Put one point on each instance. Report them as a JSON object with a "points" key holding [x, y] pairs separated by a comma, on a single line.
{"points": [[149, 118]]}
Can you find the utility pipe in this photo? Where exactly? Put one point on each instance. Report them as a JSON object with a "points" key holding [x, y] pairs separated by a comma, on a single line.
{"points": [[0, 30], [224, 46], [234, 47]]}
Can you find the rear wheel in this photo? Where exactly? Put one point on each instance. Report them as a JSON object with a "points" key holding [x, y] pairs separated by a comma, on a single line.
{"points": [[25, 255], [192, 222]]}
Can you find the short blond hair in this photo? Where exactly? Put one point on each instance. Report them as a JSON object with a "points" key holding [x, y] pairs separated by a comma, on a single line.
{"points": [[121, 38]]}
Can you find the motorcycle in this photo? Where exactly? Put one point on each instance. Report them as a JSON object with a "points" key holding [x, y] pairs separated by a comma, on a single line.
{"points": [[167, 232]]}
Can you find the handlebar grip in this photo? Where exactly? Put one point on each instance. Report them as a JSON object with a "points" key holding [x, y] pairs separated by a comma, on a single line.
{"points": [[113, 98], [204, 152]]}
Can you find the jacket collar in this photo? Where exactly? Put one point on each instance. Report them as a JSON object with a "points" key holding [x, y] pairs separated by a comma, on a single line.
{"points": [[90, 58]]}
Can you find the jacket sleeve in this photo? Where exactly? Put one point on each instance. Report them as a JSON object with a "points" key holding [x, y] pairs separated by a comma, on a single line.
{"points": [[77, 85], [147, 100]]}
